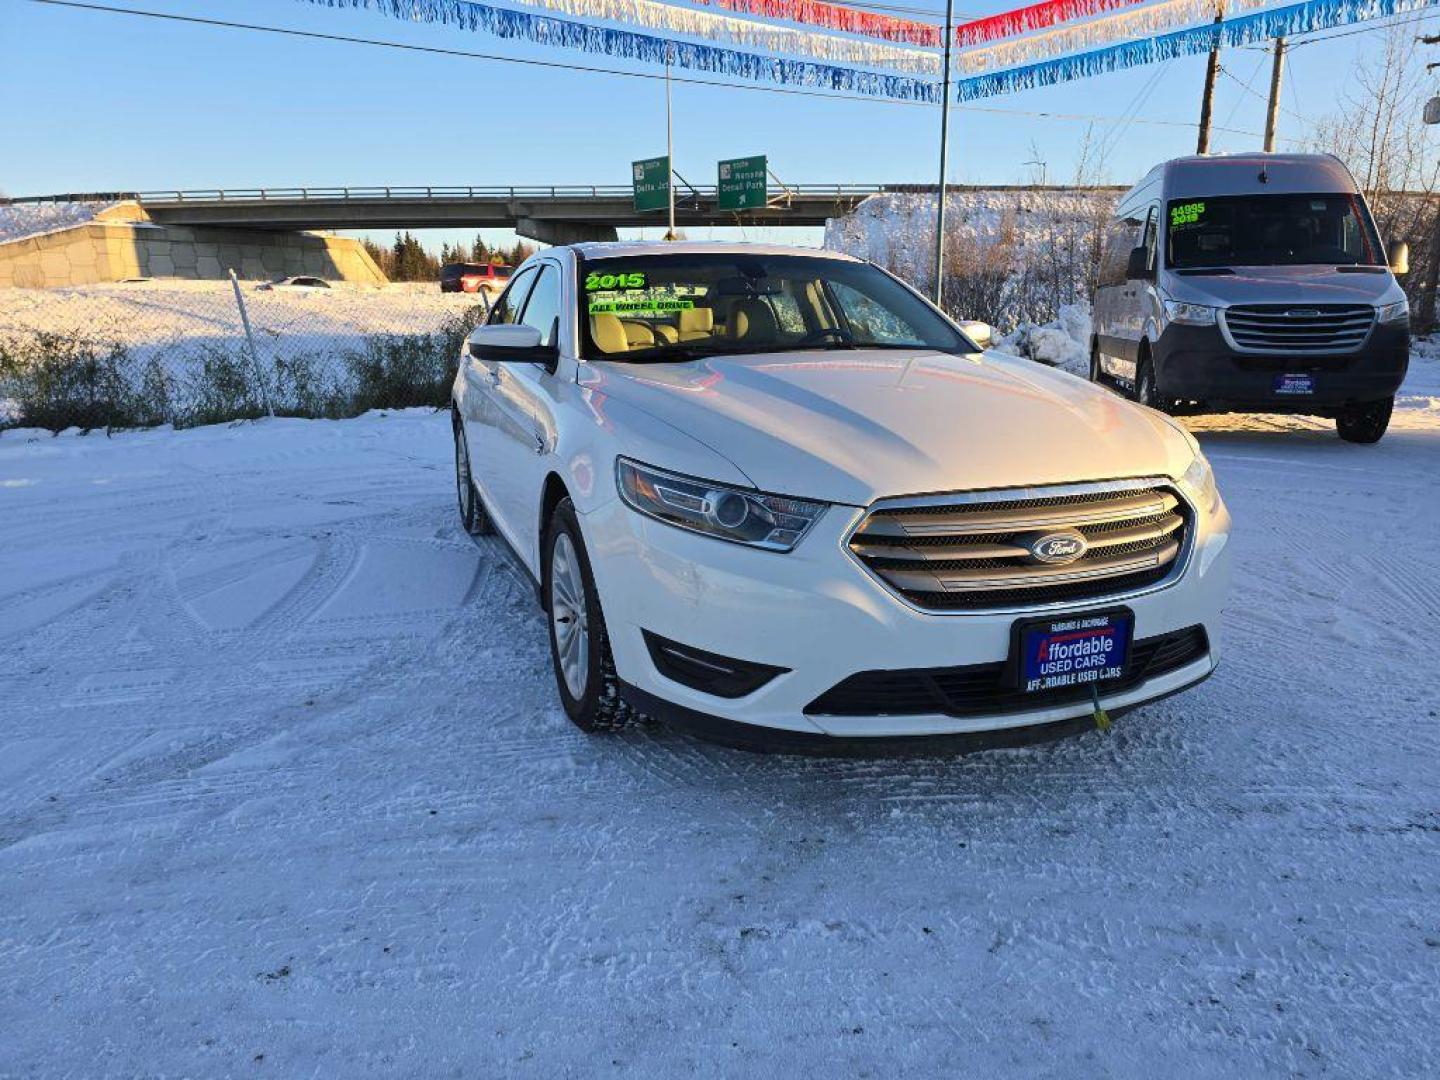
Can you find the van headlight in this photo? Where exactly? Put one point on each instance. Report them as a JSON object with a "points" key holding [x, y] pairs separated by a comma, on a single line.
{"points": [[1396, 312], [1189, 314], [1199, 484], [742, 516]]}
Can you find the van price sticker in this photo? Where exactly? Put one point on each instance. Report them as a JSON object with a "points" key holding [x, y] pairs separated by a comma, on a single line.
{"points": [[1074, 652], [656, 307], [1187, 214]]}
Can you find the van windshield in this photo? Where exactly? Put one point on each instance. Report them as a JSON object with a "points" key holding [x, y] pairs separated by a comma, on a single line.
{"points": [[1270, 230], [677, 307]]}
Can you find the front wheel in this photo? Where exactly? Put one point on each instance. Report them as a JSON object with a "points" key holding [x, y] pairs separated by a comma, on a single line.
{"points": [[579, 645], [1365, 423]]}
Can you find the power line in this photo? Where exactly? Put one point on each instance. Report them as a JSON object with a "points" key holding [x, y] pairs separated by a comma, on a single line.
{"points": [[1377, 24], [223, 24]]}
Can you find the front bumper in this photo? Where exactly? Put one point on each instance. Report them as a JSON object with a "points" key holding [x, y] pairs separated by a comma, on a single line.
{"points": [[1195, 364], [817, 613]]}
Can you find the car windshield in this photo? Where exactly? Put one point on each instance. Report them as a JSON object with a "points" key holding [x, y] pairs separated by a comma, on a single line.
{"points": [[1270, 230], [677, 307]]}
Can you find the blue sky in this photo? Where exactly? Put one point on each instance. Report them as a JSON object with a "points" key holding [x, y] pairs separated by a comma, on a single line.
{"points": [[104, 102]]}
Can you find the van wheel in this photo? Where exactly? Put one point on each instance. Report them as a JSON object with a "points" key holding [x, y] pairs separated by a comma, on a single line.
{"points": [[579, 646], [1097, 375], [1145, 391], [1365, 423], [473, 517]]}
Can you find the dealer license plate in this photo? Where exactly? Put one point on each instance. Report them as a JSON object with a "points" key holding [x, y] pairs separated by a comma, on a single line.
{"points": [[1073, 650], [1294, 385]]}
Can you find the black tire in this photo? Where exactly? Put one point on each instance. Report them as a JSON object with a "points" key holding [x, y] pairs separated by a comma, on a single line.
{"points": [[1146, 392], [594, 705], [473, 517], [1365, 423]]}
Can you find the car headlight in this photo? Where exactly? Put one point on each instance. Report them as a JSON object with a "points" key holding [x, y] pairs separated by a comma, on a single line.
{"points": [[739, 515], [1396, 312], [1190, 314], [1199, 483]]}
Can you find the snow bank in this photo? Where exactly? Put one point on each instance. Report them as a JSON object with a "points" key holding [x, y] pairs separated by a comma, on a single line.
{"points": [[1012, 256], [20, 220]]}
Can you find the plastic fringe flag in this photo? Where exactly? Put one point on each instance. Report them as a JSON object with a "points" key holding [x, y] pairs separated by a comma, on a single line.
{"points": [[1261, 26], [747, 33], [1035, 17], [839, 17], [1122, 26], [646, 48]]}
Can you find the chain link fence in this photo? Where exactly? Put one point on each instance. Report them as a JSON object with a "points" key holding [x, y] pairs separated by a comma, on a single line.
{"points": [[143, 353]]}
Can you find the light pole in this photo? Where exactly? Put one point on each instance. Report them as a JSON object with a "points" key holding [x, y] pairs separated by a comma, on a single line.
{"points": [[669, 146], [944, 148]]}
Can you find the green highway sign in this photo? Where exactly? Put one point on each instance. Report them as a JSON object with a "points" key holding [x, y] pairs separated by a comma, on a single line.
{"points": [[652, 183], [742, 184]]}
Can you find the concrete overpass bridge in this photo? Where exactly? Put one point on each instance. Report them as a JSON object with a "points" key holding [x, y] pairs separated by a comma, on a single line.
{"points": [[552, 215]]}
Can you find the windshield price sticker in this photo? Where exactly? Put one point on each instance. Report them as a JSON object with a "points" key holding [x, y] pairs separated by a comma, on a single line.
{"points": [[597, 281], [656, 308], [1186, 214]]}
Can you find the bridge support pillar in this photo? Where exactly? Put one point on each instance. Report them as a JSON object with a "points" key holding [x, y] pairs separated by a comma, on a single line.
{"points": [[563, 232]]}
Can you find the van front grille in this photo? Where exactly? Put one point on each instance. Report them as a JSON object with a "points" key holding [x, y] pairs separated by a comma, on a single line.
{"points": [[1299, 329], [997, 550]]}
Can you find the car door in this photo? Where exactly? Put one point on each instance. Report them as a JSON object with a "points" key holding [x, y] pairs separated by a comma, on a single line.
{"points": [[525, 395], [489, 417], [1130, 327]]}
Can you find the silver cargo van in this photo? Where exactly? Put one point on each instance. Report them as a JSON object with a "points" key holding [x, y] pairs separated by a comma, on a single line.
{"points": [[1252, 283]]}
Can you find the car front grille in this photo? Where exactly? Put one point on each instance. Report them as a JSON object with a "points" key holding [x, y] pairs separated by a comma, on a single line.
{"points": [[985, 689], [987, 551], [1299, 329]]}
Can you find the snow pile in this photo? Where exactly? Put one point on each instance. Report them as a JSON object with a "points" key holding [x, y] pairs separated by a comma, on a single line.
{"points": [[1062, 343], [20, 220], [1012, 256]]}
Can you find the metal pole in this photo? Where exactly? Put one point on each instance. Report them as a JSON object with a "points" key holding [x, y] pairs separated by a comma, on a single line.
{"points": [[669, 147], [250, 342], [1272, 117], [1207, 98], [944, 150]]}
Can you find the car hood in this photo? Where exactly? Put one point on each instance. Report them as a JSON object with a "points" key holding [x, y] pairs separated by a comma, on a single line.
{"points": [[855, 426], [1298, 285]]}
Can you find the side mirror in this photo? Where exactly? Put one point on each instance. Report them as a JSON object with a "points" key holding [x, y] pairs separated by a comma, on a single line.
{"points": [[1137, 267], [509, 343], [980, 333], [1399, 256]]}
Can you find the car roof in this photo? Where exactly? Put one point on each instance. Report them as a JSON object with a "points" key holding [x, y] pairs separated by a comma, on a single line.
{"points": [[623, 248]]}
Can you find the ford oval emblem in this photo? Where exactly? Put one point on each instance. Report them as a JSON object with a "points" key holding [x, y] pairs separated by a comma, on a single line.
{"points": [[1058, 547]]}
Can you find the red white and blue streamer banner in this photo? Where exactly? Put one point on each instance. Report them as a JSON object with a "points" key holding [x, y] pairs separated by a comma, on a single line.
{"points": [[1263, 25], [838, 17], [648, 48], [1035, 17], [1142, 22], [746, 33]]}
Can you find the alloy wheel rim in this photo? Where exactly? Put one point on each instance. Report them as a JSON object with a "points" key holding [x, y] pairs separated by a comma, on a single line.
{"points": [[568, 619]]}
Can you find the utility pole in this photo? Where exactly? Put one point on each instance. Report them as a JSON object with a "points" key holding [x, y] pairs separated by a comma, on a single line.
{"points": [[1272, 116], [1424, 321], [669, 147], [944, 150], [1212, 71]]}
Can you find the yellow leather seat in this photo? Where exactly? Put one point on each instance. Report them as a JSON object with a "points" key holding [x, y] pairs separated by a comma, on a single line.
{"points": [[608, 333], [696, 323]]}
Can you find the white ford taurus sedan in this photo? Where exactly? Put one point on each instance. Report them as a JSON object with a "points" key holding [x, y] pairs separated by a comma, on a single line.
{"points": [[774, 496]]}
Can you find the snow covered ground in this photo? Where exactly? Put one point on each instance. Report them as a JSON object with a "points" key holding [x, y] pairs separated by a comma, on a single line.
{"points": [[166, 313], [284, 789]]}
